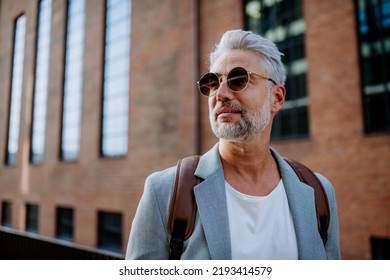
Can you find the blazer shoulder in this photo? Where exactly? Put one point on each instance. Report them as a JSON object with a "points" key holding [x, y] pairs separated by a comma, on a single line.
{"points": [[161, 183], [149, 238], [162, 177]]}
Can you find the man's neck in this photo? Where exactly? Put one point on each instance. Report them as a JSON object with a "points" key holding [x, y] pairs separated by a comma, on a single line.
{"points": [[249, 167]]}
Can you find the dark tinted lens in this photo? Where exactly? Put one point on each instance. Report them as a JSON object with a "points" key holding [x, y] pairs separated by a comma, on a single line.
{"points": [[237, 79], [208, 84]]}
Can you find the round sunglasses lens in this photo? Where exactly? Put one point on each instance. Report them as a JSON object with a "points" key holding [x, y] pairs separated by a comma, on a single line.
{"points": [[208, 84], [237, 79]]}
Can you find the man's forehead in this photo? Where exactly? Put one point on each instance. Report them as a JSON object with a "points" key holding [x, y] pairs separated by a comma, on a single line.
{"points": [[249, 60]]}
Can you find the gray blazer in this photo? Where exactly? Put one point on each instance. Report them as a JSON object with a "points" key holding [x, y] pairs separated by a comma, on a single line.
{"points": [[149, 237]]}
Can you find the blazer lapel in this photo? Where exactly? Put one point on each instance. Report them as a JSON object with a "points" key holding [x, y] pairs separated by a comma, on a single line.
{"points": [[211, 200], [301, 201]]}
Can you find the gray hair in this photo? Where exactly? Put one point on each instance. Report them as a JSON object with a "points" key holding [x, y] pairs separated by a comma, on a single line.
{"points": [[247, 40]]}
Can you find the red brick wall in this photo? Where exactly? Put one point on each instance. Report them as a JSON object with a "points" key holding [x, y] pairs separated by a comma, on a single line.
{"points": [[161, 122], [357, 164]]}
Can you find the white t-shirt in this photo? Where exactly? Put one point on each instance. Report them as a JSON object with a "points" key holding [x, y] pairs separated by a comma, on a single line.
{"points": [[261, 227]]}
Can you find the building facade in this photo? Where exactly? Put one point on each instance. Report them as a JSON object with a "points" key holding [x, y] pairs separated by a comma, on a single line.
{"points": [[97, 94]]}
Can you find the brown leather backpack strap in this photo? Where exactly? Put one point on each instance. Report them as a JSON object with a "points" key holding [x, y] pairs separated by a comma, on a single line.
{"points": [[321, 199], [183, 206]]}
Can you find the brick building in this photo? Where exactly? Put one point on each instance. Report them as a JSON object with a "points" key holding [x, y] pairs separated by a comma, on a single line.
{"points": [[96, 94]]}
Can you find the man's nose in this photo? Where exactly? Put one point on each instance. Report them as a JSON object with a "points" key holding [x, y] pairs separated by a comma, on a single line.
{"points": [[223, 92]]}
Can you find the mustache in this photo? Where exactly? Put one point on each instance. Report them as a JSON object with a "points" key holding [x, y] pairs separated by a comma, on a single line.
{"points": [[230, 105]]}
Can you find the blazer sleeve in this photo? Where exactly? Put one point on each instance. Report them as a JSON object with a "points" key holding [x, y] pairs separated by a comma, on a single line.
{"points": [[332, 246], [149, 238]]}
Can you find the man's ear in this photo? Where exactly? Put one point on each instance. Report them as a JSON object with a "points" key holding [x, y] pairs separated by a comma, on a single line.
{"points": [[278, 97]]}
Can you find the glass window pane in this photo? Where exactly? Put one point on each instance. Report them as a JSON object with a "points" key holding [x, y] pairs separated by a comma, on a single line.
{"points": [[374, 33], [41, 82], [32, 218], [110, 231], [6, 213], [16, 90], [116, 79], [73, 80], [64, 221]]}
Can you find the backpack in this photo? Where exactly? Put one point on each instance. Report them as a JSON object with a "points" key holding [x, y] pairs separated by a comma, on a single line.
{"points": [[182, 211]]}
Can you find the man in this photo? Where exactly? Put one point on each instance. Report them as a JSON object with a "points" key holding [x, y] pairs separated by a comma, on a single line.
{"points": [[251, 204]]}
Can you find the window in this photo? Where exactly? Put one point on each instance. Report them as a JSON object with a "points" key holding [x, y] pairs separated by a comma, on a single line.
{"points": [[16, 91], [6, 213], [32, 218], [41, 82], [73, 81], [116, 79], [374, 38], [380, 248], [282, 22], [64, 229], [110, 231]]}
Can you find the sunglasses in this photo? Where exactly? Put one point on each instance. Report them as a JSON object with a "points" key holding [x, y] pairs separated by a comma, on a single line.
{"points": [[237, 80]]}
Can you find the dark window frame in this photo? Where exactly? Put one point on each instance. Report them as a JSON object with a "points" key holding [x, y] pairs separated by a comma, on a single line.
{"points": [[297, 104], [65, 223], [32, 217], [6, 213], [110, 231], [380, 248], [375, 104]]}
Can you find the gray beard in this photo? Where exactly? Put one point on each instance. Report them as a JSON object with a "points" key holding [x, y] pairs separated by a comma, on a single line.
{"points": [[250, 125]]}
